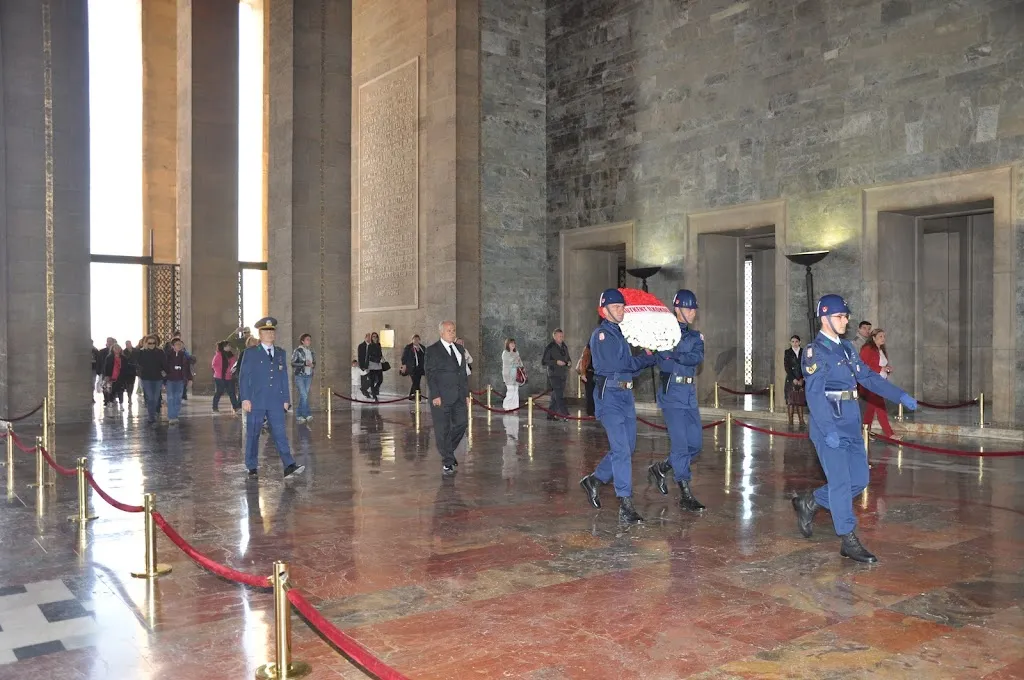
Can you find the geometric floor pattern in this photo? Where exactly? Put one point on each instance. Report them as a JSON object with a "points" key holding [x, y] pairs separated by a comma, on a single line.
{"points": [[505, 571]]}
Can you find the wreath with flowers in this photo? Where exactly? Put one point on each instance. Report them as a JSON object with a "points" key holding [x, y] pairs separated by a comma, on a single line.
{"points": [[647, 323]]}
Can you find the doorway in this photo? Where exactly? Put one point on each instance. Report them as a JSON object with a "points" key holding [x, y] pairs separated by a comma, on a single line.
{"points": [[937, 314]]}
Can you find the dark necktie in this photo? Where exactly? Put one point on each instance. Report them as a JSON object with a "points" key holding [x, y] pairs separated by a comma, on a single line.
{"points": [[451, 350], [270, 352]]}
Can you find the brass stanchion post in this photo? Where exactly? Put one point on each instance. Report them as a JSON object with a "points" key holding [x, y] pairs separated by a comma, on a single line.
{"points": [[330, 411], [469, 416], [866, 433], [981, 413], [899, 413], [46, 424], [771, 398], [83, 515], [40, 466], [10, 460], [282, 667], [728, 432], [579, 386], [489, 390], [417, 410], [529, 412], [716, 395], [152, 567]]}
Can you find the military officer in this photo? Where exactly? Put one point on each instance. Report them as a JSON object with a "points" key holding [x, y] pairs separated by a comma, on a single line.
{"points": [[614, 368], [264, 392], [832, 369], [678, 401]]}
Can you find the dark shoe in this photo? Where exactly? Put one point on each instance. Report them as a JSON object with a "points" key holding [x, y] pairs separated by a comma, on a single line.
{"points": [[656, 474], [293, 469], [627, 513], [447, 470], [455, 463], [253, 472], [852, 548], [805, 507], [592, 485], [688, 502]]}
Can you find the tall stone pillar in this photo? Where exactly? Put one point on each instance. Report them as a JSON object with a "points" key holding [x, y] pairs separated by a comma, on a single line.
{"points": [[207, 174], [309, 82], [44, 207], [160, 128]]}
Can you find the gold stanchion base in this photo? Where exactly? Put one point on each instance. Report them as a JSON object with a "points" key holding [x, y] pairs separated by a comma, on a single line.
{"points": [[76, 518], [160, 570], [33, 485], [296, 669]]}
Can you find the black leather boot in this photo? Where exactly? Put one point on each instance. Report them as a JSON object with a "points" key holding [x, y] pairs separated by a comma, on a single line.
{"points": [[656, 473], [592, 485], [805, 507], [852, 548], [627, 513], [687, 501]]}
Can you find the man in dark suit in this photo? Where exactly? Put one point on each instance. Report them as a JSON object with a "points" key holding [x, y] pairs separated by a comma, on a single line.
{"points": [[445, 366], [412, 364], [364, 366]]}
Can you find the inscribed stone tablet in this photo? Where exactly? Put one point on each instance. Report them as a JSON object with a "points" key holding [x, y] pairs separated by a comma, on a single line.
{"points": [[388, 190]]}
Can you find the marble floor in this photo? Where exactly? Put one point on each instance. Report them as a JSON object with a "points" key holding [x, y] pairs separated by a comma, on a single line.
{"points": [[505, 571]]}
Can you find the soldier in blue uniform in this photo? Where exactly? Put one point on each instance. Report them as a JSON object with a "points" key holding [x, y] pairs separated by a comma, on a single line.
{"points": [[264, 392], [614, 369], [832, 369], [678, 401]]}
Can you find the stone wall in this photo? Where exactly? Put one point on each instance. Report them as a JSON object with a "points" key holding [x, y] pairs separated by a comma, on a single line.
{"points": [[658, 109], [513, 221]]}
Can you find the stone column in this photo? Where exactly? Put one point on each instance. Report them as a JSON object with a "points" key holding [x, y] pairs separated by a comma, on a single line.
{"points": [[309, 82], [207, 172], [160, 128], [44, 256]]}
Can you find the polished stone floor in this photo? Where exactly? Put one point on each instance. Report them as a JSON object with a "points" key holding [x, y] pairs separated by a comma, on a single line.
{"points": [[505, 571]]}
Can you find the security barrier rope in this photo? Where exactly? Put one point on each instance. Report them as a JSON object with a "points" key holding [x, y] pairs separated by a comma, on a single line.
{"points": [[945, 407], [361, 401], [22, 417], [743, 392], [204, 561], [948, 452], [776, 433], [123, 507]]}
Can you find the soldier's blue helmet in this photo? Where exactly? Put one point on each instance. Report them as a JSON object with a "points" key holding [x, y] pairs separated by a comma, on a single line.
{"points": [[612, 296], [685, 299], [832, 304]]}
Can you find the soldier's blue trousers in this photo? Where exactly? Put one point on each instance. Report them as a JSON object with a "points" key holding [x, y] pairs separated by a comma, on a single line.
{"points": [[253, 427], [686, 438], [846, 470], [617, 413]]}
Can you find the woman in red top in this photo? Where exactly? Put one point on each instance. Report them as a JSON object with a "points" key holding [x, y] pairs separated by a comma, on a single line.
{"points": [[873, 354]]}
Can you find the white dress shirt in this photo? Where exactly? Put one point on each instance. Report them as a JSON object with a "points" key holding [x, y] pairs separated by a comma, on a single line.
{"points": [[448, 347]]}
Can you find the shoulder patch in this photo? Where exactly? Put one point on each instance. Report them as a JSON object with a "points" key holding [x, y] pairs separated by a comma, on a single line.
{"points": [[809, 370], [702, 337], [600, 336], [810, 352]]}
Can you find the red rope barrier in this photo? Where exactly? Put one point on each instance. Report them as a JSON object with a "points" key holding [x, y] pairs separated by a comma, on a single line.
{"points": [[777, 433], [945, 407], [204, 561], [647, 422], [948, 452], [743, 393], [30, 413], [345, 643], [559, 415], [24, 449], [67, 472], [714, 424], [495, 410], [360, 401], [123, 507]]}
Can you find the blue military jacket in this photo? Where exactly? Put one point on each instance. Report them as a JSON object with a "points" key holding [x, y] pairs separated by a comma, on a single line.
{"points": [[828, 368], [610, 354], [678, 365], [264, 380]]}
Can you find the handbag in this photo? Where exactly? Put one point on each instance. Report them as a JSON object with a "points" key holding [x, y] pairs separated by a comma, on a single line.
{"points": [[521, 377], [385, 366], [797, 396]]}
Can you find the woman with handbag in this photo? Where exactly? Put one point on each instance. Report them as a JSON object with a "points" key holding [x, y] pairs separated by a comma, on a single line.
{"points": [[585, 368], [796, 398], [874, 356], [375, 362], [513, 374]]}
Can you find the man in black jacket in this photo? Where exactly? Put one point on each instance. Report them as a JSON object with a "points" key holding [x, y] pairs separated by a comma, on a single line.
{"points": [[412, 364], [445, 368], [364, 366], [556, 360]]}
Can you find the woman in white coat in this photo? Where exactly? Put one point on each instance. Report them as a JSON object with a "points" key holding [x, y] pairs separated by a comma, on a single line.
{"points": [[510, 363]]}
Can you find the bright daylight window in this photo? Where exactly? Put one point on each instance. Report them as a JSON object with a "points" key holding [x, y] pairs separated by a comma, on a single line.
{"points": [[748, 321], [251, 234], [115, 167]]}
